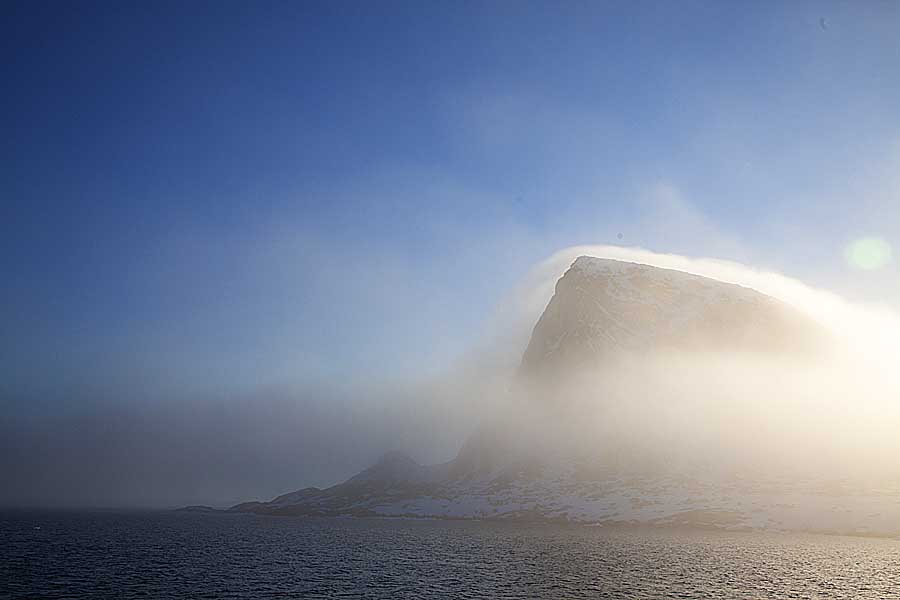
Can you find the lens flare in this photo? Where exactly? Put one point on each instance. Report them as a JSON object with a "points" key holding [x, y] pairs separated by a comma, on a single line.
{"points": [[869, 254]]}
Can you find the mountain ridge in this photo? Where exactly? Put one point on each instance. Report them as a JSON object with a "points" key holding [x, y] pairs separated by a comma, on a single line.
{"points": [[603, 309]]}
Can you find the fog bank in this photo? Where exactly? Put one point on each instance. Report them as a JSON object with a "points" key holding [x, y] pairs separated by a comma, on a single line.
{"points": [[730, 413]]}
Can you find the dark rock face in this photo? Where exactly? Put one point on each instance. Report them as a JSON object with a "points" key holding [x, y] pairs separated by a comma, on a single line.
{"points": [[394, 478], [197, 508]]}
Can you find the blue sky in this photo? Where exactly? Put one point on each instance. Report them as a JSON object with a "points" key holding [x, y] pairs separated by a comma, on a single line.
{"points": [[216, 197]]}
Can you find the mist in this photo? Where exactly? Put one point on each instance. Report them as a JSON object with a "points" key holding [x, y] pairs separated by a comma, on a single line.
{"points": [[832, 416], [829, 415], [716, 416], [216, 451]]}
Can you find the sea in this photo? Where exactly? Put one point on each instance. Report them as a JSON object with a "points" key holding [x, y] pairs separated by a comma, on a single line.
{"points": [[167, 554]]}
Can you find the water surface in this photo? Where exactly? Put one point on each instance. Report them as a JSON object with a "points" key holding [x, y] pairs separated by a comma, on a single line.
{"points": [[178, 555]]}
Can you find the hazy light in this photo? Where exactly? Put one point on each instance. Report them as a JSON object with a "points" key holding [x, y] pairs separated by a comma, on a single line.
{"points": [[869, 253]]}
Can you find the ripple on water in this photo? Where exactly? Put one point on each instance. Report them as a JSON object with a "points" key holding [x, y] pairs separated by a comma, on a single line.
{"points": [[175, 555]]}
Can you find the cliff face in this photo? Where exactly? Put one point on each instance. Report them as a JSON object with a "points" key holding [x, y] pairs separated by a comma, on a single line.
{"points": [[606, 308]]}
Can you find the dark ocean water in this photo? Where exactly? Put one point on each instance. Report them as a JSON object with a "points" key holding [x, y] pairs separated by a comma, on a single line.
{"points": [[177, 555]]}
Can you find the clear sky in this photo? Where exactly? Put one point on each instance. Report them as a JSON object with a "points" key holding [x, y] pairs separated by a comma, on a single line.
{"points": [[214, 197]]}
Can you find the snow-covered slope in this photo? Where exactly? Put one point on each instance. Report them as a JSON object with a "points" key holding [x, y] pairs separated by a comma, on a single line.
{"points": [[582, 492], [603, 309]]}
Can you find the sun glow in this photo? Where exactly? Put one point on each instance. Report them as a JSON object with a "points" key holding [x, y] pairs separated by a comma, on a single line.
{"points": [[868, 254]]}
